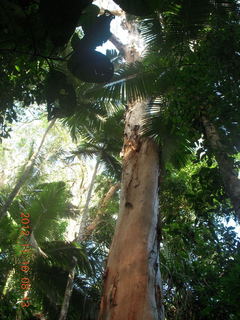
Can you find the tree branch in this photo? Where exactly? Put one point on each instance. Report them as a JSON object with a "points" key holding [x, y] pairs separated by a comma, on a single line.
{"points": [[119, 45], [108, 196]]}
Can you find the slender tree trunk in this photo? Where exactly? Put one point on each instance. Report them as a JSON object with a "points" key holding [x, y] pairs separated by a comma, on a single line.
{"points": [[68, 291], [33, 242], [108, 196], [87, 232], [23, 178], [86, 207], [8, 281], [2, 178], [225, 163], [132, 289], [70, 282]]}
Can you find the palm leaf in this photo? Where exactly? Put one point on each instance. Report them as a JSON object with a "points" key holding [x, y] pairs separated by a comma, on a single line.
{"points": [[171, 137]]}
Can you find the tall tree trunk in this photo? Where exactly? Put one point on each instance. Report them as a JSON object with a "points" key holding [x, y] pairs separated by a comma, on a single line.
{"points": [[132, 287], [86, 207], [225, 164], [27, 170], [68, 291], [132, 284]]}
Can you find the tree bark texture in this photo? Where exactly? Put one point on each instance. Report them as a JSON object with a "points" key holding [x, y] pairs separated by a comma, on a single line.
{"points": [[132, 288], [229, 175]]}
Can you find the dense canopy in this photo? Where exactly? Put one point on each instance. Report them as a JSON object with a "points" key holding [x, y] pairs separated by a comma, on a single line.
{"points": [[161, 123]]}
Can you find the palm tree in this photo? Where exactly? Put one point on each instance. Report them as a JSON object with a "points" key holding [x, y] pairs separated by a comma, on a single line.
{"points": [[179, 68], [140, 168], [103, 142], [97, 141], [25, 174], [46, 204]]}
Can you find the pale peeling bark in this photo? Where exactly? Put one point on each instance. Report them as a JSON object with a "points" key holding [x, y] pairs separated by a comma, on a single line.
{"points": [[229, 175], [132, 288]]}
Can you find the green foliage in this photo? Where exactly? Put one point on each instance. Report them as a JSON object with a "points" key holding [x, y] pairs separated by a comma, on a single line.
{"points": [[104, 141], [49, 203], [190, 68], [107, 213], [34, 36], [46, 204], [50, 290], [8, 306], [200, 254]]}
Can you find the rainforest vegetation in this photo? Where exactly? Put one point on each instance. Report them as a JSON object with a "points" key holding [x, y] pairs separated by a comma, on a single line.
{"points": [[119, 160]]}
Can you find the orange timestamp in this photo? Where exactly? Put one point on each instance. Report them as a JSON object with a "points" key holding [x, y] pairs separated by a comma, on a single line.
{"points": [[25, 233]]}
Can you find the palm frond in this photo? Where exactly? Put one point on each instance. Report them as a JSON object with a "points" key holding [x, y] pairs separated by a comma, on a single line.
{"points": [[131, 82], [47, 204], [171, 137], [178, 23], [50, 278], [112, 164], [86, 150]]}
